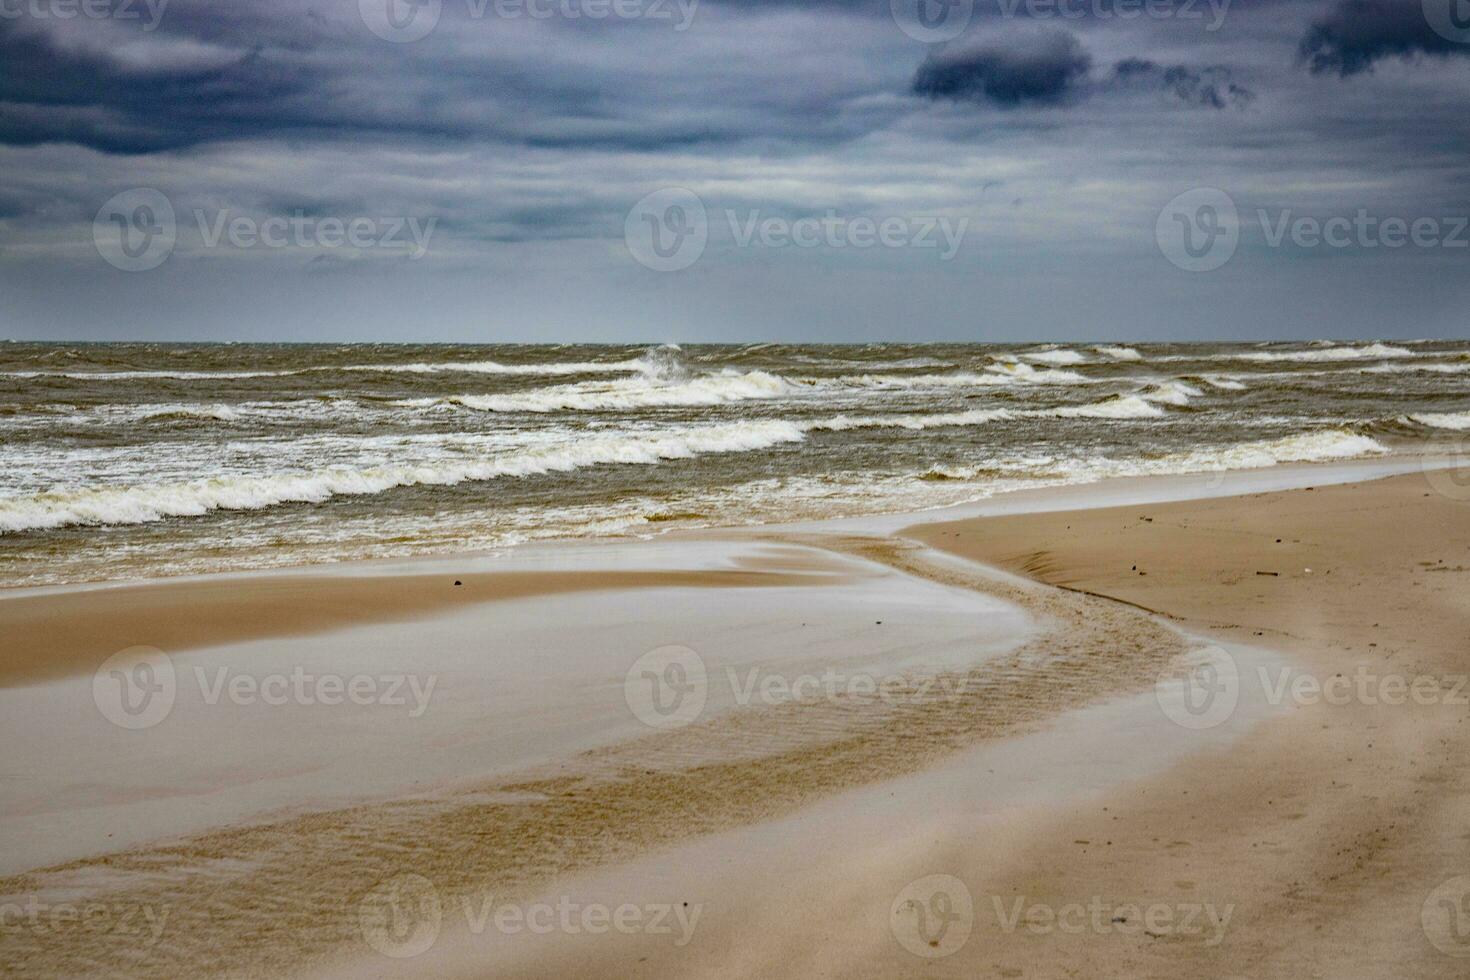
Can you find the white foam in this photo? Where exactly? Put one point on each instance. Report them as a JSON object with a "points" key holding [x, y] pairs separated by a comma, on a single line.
{"points": [[1175, 393], [1460, 367], [1306, 447], [1126, 407], [1369, 353], [715, 389], [1458, 421], [496, 367], [979, 416], [1009, 374], [1318, 446], [1054, 355], [143, 504], [219, 413], [1120, 353]]}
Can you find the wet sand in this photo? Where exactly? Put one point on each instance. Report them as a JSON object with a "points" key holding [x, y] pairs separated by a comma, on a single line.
{"points": [[55, 633], [1325, 827], [1329, 827]]}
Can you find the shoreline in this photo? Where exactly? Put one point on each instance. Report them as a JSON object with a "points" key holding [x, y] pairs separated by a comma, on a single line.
{"points": [[99, 618], [747, 768], [1064, 494]]}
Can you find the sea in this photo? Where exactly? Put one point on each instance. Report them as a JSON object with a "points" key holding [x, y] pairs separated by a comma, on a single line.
{"points": [[138, 461]]}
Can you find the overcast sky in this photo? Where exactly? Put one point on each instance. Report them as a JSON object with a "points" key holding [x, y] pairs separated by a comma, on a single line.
{"points": [[683, 170]]}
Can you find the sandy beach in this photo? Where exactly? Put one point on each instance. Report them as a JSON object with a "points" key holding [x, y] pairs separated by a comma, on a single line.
{"points": [[667, 490], [979, 699]]}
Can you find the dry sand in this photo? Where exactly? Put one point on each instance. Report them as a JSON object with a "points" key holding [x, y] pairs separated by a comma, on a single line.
{"points": [[1325, 828]]}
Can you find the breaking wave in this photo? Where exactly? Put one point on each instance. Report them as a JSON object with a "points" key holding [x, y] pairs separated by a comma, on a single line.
{"points": [[715, 389], [1122, 408], [144, 504], [1120, 353], [1372, 352], [1054, 355], [1458, 421]]}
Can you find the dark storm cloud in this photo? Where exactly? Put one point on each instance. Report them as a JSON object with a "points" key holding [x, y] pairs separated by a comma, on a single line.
{"points": [[1054, 68], [1209, 87], [214, 72], [1355, 34], [1039, 68], [529, 141], [51, 92]]}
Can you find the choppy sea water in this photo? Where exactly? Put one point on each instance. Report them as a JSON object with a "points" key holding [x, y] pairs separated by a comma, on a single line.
{"points": [[141, 460]]}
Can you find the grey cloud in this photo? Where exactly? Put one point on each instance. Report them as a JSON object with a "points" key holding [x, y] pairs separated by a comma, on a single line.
{"points": [[1355, 34], [1054, 68], [213, 72], [528, 142], [1044, 68], [1209, 87]]}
